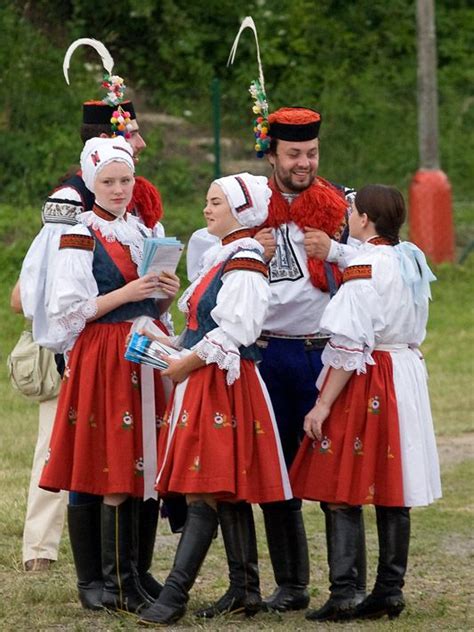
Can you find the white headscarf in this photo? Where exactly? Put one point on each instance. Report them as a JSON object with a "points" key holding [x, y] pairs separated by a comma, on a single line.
{"points": [[248, 197], [98, 152]]}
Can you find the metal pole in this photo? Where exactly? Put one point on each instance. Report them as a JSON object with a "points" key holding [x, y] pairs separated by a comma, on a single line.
{"points": [[427, 85], [216, 120]]}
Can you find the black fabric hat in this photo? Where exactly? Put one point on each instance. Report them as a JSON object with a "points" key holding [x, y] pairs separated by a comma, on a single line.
{"points": [[100, 113], [295, 124]]}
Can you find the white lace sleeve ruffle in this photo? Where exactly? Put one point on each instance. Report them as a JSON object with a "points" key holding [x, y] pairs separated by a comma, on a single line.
{"points": [[240, 311], [343, 353], [73, 297], [216, 347]]}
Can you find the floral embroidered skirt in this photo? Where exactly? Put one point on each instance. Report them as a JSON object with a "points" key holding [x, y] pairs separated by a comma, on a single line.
{"points": [[96, 444], [378, 443], [222, 440]]}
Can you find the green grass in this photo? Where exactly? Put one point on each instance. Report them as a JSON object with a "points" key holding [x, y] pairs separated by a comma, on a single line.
{"points": [[439, 579]]}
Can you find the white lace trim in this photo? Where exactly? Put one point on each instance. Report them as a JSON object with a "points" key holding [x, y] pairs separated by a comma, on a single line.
{"points": [[347, 359], [73, 323], [226, 359], [128, 232], [211, 258]]}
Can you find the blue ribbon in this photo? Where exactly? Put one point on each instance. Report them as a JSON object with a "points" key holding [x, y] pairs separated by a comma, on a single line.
{"points": [[415, 271]]}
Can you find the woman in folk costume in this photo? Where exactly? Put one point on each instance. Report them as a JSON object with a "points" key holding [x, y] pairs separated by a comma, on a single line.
{"points": [[220, 445], [370, 436], [103, 443]]}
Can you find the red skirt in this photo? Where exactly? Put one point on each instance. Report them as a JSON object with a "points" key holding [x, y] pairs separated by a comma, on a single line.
{"points": [[222, 440], [96, 445], [358, 460]]}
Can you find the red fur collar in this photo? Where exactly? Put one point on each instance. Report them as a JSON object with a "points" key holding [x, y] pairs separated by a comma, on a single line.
{"points": [[320, 206]]}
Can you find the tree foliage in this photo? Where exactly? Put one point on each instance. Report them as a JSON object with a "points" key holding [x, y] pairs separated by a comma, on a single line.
{"points": [[354, 61]]}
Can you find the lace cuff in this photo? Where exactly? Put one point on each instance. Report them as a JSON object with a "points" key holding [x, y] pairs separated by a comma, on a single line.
{"points": [[347, 357], [68, 327], [219, 349]]}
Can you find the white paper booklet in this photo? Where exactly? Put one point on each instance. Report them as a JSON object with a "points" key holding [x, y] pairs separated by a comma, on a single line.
{"points": [[160, 254]]}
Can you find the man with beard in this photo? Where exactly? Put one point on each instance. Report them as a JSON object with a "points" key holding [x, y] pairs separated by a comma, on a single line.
{"points": [[302, 205]]}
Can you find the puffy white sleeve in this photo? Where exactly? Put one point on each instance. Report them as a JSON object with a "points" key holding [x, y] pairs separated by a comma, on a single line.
{"points": [[352, 318], [74, 291], [35, 278], [343, 253], [240, 311]]}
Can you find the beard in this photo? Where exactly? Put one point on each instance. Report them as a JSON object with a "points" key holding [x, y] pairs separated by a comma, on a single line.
{"points": [[289, 182]]}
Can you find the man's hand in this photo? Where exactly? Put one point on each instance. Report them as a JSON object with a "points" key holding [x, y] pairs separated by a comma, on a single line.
{"points": [[266, 238], [316, 243]]}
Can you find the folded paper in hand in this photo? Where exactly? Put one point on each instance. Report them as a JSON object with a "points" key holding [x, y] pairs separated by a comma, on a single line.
{"points": [[142, 350], [160, 254]]}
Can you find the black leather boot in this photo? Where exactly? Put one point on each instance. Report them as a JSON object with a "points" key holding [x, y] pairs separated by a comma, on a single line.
{"points": [[238, 532], [122, 590], [84, 533], [198, 532], [147, 518], [288, 549], [393, 528], [361, 562], [342, 533]]}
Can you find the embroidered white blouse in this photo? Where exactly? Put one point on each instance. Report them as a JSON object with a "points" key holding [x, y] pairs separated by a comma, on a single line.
{"points": [[241, 307], [73, 295], [369, 312]]}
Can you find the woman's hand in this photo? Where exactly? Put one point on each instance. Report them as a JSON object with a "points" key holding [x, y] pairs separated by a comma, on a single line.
{"points": [[140, 289], [169, 283], [313, 421], [164, 340], [178, 369]]}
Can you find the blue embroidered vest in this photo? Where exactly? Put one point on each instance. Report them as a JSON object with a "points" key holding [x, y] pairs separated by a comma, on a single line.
{"points": [[109, 278]]}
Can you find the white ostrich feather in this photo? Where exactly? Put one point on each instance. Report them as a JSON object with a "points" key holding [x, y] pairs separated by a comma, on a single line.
{"points": [[247, 23], [107, 60]]}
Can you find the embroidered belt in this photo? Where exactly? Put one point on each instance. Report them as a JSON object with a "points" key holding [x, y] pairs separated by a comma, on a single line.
{"points": [[310, 341]]}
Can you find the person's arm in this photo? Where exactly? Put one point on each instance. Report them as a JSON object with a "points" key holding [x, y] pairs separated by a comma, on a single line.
{"points": [[179, 368], [137, 290], [335, 382], [15, 299]]}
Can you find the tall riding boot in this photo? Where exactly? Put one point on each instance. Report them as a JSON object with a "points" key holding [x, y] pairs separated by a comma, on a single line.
{"points": [[84, 533], [147, 518], [288, 549], [393, 527], [361, 562], [198, 532], [342, 533], [122, 590], [240, 541]]}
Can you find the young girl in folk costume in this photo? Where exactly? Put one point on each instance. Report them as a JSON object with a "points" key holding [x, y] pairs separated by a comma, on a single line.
{"points": [[104, 437], [220, 445], [370, 436]]}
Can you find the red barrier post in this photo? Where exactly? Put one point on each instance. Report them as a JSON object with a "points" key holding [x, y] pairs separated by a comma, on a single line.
{"points": [[430, 214]]}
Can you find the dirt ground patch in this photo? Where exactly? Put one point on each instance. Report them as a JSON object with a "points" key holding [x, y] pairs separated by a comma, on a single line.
{"points": [[453, 450]]}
